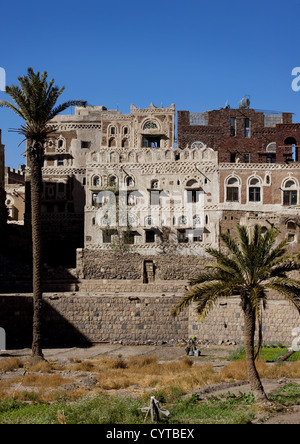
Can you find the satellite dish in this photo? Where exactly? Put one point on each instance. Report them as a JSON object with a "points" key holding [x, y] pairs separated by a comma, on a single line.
{"points": [[245, 103]]}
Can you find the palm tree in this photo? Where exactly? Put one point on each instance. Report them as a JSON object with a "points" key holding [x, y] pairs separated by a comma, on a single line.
{"points": [[35, 101], [250, 269]]}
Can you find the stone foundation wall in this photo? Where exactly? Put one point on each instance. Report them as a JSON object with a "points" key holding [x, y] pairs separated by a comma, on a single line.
{"points": [[96, 264], [75, 319], [226, 322]]}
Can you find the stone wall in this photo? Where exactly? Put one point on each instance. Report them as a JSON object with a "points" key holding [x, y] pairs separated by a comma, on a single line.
{"points": [[97, 264], [226, 322], [79, 319]]}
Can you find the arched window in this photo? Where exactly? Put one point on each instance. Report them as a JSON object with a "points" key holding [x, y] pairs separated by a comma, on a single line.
{"points": [[198, 145], [96, 181], [233, 189], [290, 193], [192, 183], [61, 144], [150, 126], [271, 148], [113, 181], [255, 193], [130, 181]]}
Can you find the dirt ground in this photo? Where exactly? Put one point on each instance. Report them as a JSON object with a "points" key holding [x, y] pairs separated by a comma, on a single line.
{"points": [[217, 356]]}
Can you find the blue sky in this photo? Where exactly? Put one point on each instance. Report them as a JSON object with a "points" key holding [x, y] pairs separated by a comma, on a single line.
{"points": [[196, 54]]}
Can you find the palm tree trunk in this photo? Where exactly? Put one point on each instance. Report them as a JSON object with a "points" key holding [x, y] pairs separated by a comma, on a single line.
{"points": [[254, 379], [36, 190]]}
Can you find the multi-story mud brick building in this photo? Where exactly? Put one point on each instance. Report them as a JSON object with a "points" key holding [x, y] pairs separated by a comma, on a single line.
{"points": [[128, 206], [117, 183]]}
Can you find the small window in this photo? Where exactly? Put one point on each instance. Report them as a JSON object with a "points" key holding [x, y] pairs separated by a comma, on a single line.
{"points": [[60, 143], [232, 126], [60, 161], [290, 198], [96, 181], [112, 130], [271, 158], [154, 185], [150, 237], [113, 181], [254, 194], [130, 181], [246, 158], [254, 191], [85, 144], [247, 127], [232, 194], [151, 142], [232, 157], [290, 193], [232, 190]]}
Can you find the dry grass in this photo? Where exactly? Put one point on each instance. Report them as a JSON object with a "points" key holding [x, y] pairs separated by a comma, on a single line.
{"points": [[137, 375], [42, 381], [238, 370], [148, 373], [10, 364]]}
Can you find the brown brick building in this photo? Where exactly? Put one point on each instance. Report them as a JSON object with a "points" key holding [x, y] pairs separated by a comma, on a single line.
{"points": [[241, 135]]}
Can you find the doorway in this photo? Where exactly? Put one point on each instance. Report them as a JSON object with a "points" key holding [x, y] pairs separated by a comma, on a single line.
{"points": [[149, 272]]}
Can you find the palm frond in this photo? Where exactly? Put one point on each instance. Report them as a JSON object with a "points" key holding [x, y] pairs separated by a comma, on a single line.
{"points": [[35, 102], [288, 288], [206, 295]]}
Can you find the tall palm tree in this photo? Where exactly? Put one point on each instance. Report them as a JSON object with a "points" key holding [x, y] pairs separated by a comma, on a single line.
{"points": [[35, 101], [249, 268]]}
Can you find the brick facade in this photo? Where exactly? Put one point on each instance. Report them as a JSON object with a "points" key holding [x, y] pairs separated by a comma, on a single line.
{"points": [[240, 135]]}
